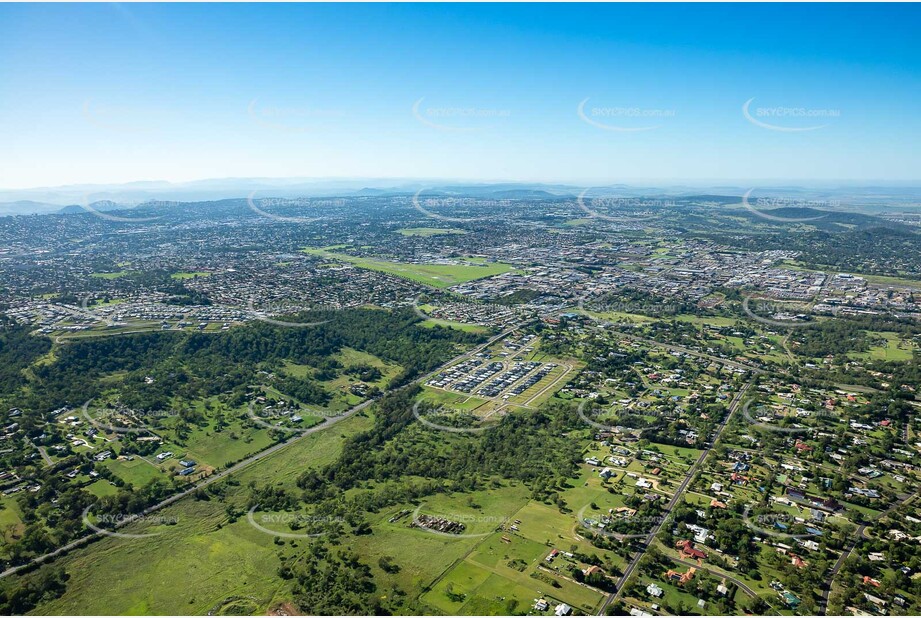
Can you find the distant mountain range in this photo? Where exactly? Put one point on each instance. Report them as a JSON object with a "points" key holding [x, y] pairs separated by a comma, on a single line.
{"points": [[68, 199], [22, 207]]}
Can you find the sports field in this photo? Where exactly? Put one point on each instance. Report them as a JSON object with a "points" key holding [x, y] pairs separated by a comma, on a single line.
{"points": [[435, 275]]}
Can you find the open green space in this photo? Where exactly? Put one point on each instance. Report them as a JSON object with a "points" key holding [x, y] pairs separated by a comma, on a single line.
{"points": [[429, 231], [881, 279], [204, 559], [114, 275], [467, 328], [189, 275], [436, 275], [890, 347]]}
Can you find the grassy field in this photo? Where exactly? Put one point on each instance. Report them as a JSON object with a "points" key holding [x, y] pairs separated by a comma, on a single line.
{"points": [[136, 472], [115, 275], [880, 279], [215, 449], [469, 328], [102, 488], [349, 357], [435, 275], [339, 387], [189, 275], [892, 348], [493, 576], [457, 401], [707, 320], [111, 303], [210, 447], [11, 524], [204, 559], [432, 322], [429, 231]]}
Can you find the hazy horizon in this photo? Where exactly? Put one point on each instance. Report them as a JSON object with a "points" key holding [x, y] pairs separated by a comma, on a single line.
{"points": [[381, 180]]}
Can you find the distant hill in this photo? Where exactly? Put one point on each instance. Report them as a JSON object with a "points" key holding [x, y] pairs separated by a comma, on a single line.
{"points": [[27, 207], [853, 198], [828, 220], [722, 200], [101, 206]]}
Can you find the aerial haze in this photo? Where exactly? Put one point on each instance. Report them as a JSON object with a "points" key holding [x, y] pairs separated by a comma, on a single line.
{"points": [[460, 309]]}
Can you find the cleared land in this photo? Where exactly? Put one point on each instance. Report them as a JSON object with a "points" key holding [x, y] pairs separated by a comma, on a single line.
{"points": [[435, 275], [203, 561], [429, 231]]}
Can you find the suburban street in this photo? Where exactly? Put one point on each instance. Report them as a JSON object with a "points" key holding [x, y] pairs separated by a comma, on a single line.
{"points": [[678, 495]]}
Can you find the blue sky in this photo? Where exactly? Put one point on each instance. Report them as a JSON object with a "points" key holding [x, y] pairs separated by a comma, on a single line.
{"points": [[123, 92]]}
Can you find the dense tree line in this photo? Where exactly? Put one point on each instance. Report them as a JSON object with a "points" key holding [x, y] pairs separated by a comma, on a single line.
{"points": [[18, 350], [199, 364], [529, 447]]}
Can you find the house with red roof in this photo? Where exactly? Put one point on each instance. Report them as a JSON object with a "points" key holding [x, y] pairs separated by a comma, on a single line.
{"points": [[689, 551], [798, 562]]}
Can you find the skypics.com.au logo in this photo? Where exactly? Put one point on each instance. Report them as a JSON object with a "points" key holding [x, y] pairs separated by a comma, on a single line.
{"points": [[315, 525], [456, 118], [292, 417], [138, 419], [428, 206], [786, 203], [623, 119], [454, 525], [603, 305], [788, 119], [608, 525], [583, 414], [438, 417], [269, 313], [291, 118], [783, 315], [107, 523], [621, 209], [764, 418], [119, 212], [259, 207], [777, 524]]}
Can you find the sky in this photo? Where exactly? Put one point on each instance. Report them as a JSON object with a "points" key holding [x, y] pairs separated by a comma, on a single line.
{"points": [[114, 93]]}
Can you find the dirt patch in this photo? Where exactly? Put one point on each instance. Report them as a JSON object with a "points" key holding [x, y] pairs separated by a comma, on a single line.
{"points": [[284, 609]]}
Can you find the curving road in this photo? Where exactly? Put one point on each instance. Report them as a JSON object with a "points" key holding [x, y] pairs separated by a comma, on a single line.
{"points": [[860, 533], [742, 586]]}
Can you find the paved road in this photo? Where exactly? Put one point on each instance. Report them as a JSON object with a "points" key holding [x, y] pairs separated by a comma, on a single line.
{"points": [[331, 421], [690, 352], [859, 534], [679, 493], [737, 582], [207, 481], [42, 452], [668, 346], [561, 379], [826, 587]]}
